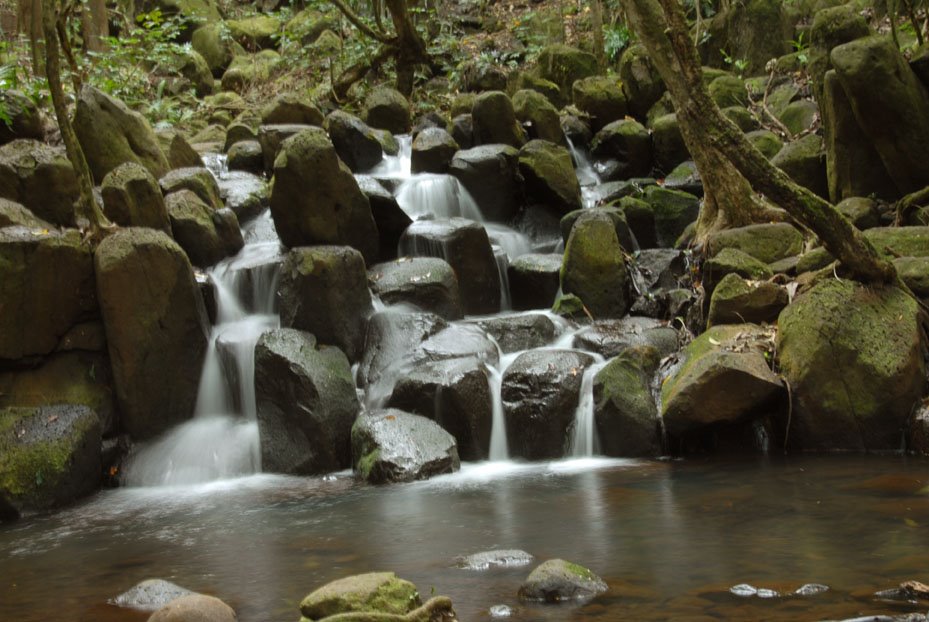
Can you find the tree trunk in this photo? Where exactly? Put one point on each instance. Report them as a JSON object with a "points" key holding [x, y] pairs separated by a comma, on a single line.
{"points": [[596, 24], [411, 49], [87, 204], [29, 16], [662, 27], [95, 25]]}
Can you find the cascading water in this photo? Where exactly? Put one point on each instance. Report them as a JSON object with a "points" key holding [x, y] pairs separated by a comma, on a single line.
{"points": [[584, 441], [586, 175]]}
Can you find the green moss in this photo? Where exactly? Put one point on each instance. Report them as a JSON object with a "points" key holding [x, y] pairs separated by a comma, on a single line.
{"points": [[366, 463], [712, 340], [578, 570]]}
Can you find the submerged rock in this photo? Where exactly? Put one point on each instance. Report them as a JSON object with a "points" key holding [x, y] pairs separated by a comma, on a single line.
{"points": [[395, 446], [150, 595], [506, 558], [610, 338], [195, 608], [557, 580]]}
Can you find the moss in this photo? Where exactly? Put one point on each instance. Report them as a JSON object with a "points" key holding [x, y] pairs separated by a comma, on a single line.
{"points": [[366, 463], [580, 571], [570, 306], [766, 142]]}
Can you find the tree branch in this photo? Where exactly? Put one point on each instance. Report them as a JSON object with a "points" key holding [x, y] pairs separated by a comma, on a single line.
{"points": [[357, 22]]}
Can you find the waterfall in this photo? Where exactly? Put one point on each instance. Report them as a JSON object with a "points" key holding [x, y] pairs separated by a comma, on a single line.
{"points": [[586, 175], [584, 441], [438, 196]]}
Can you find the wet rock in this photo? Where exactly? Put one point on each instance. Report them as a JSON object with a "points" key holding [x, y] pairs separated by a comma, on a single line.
{"points": [[454, 393], [540, 395], [387, 109], [465, 246], [306, 404], [494, 120], [563, 65], [557, 580], [539, 115], [729, 356], [852, 356], [733, 261], [505, 558], [433, 150], [549, 176], [767, 243], [133, 198], [336, 212], [390, 219], [918, 432], [355, 142], [197, 607], [629, 144], [515, 333], [46, 285], [594, 268], [110, 134], [736, 300], [198, 180], [425, 282], [534, 280], [374, 592], [624, 407], [324, 290], [272, 137], [41, 178], [246, 155], [244, 193], [660, 269], [490, 174], [609, 338], [391, 336], [144, 279], [150, 595], [205, 234], [394, 446], [673, 211], [49, 456], [459, 341]]}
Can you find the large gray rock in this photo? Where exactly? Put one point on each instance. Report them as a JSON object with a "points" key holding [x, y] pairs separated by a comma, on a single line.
{"points": [[518, 332], [594, 269], [433, 150], [336, 212], [624, 407], [198, 180], [46, 288], [610, 338], [150, 595], [465, 246], [768, 242], [641, 82], [195, 608], [272, 137], [389, 217], [804, 160], [494, 121], [390, 337], [324, 290], [556, 580], [41, 178], [244, 193], [306, 404], [540, 394], [394, 446], [602, 98], [425, 282], [490, 173], [288, 108], [387, 109], [23, 119], [177, 149], [534, 280], [629, 143], [549, 176], [132, 198], [207, 235], [49, 456], [852, 355], [455, 393], [156, 328], [355, 142], [110, 134]]}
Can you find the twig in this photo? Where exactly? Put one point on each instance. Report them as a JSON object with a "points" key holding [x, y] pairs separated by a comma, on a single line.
{"points": [[790, 411], [764, 107]]}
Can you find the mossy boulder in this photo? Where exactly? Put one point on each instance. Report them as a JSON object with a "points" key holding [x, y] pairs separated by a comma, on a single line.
{"points": [[914, 271], [337, 212], [49, 456], [133, 198], [736, 300], [215, 47], [765, 141], [246, 155], [13, 214], [728, 90], [549, 89], [800, 116], [742, 117], [194, 607], [248, 69], [668, 143], [767, 242], [564, 65], [206, 234], [594, 268], [309, 24], [624, 408], [188, 13], [111, 134], [861, 212], [629, 143], [291, 108], [831, 27], [900, 241], [641, 81], [616, 214], [433, 150], [374, 592], [177, 148], [156, 328], [494, 120], [557, 580], [476, 75], [641, 218], [673, 210], [732, 260], [724, 378], [428, 283], [41, 178], [804, 160], [549, 176], [854, 358], [194, 68], [757, 31], [46, 287], [256, 32], [23, 117], [197, 179], [357, 144], [386, 108], [540, 115], [602, 98]]}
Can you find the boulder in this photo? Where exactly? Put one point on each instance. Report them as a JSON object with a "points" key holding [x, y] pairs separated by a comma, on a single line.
{"points": [[389, 218], [306, 404], [641, 219], [194, 68], [12, 214], [624, 407], [756, 32], [539, 115], [150, 595], [374, 592], [765, 141], [540, 394], [736, 300], [914, 271], [256, 32], [556, 580], [433, 150], [205, 234], [804, 161], [465, 246], [629, 143], [503, 558], [668, 142], [900, 241], [728, 90], [217, 50], [272, 137], [732, 260], [156, 328], [244, 193], [673, 211], [387, 109], [356, 144], [394, 446], [800, 116], [594, 268], [685, 177], [324, 290], [194, 608], [853, 357], [309, 24], [49, 456], [46, 288], [534, 280], [523, 331], [246, 155], [41, 178], [724, 378], [428, 283], [477, 75], [198, 180], [661, 269], [610, 338], [455, 393], [132, 198], [641, 81], [22, 117], [336, 212], [861, 212], [494, 120], [768, 243], [563, 65], [831, 27], [390, 339], [615, 214], [248, 69], [490, 174], [462, 130], [111, 134], [289, 108], [602, 98]]}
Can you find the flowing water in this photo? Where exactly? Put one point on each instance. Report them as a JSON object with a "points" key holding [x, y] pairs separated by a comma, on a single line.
{"points": [[669, 538]]}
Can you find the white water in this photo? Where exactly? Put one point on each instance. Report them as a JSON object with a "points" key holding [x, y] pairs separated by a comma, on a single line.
{"points": [[398, 166], [586, 175], [584, 442], [436, 196]]}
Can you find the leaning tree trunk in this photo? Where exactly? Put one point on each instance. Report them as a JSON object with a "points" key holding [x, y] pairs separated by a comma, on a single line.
{"points": [[663, 28], [411, 49], [87, 204]]}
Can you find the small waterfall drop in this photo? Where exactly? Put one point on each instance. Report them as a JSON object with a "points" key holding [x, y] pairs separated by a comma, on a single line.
{"points": [[499, 449], [586, 175], [584, 441], [396, 166], [436, 196]]}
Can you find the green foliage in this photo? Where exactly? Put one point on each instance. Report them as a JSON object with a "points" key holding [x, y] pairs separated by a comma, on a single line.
{"points": [[16, 74], [738, 64], [616, 37], [801, 47]]}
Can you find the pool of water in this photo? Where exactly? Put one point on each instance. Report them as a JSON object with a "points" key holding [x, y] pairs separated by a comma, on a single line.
{"points": [[669, 537]]}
